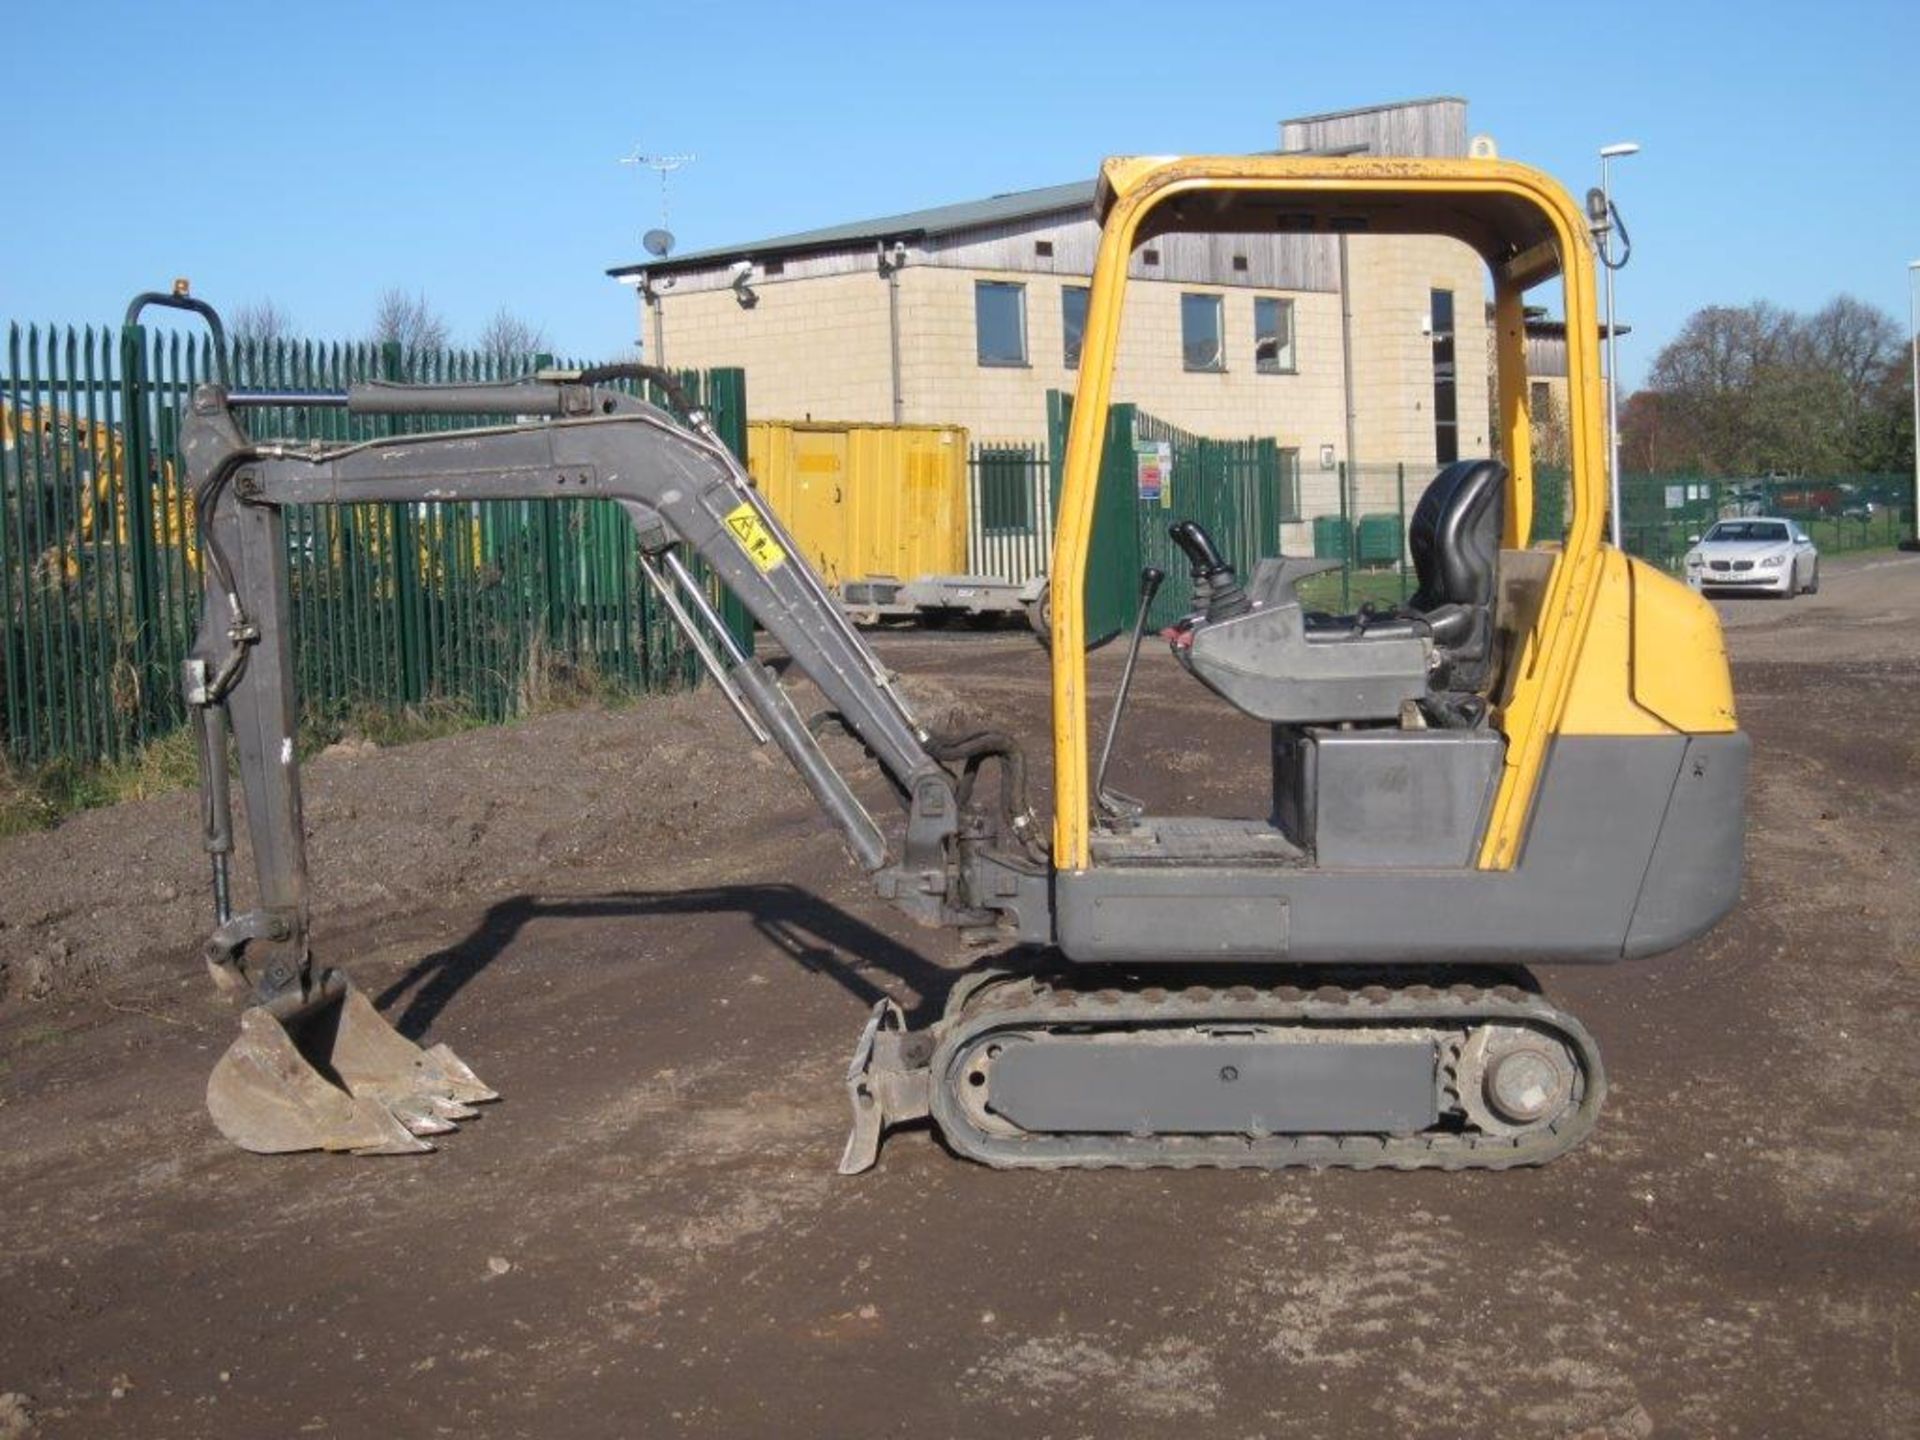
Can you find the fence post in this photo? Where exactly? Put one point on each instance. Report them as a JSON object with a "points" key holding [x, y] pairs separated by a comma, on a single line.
{"points": [[406, 561], [137, 489], [1346, 542], [726, 402], [1059, 418], [1400, 503], [1114, 548], [15, 717], [976, 515], [1273, 500]]}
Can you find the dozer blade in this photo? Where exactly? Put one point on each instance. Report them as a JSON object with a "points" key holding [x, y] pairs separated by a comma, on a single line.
{"points": [[341, 1078], [886, 1083]]}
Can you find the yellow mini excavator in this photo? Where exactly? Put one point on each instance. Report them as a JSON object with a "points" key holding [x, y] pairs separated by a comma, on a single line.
{"points": [[1534, 760]]}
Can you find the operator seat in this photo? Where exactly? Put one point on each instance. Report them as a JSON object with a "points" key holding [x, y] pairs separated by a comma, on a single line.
{"points": [[1454, 539]]}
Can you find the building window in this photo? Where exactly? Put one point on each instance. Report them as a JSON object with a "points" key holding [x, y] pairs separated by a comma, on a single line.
{"points": [[1542, 402], [1273, 336], [1446, 416], [1201, 345], [1000, 322], [1043, 248], [1073, 323]]}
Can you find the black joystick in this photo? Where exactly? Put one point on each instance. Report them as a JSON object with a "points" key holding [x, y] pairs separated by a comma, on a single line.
{"points": [[1216, 585]]}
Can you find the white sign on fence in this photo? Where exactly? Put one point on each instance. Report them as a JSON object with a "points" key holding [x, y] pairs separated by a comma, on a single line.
{"points": [[1153, 463]]}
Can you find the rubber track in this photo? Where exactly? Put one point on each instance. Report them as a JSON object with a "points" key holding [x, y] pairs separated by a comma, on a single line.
{"points": [[1014, 1003]]}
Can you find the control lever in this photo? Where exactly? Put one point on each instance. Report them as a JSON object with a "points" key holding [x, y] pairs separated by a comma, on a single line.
{"points": [[1111, 803], [1216, 585]]}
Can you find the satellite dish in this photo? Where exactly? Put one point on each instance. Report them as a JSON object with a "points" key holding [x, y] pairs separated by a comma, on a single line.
{"points": [[658, 242], [1483, 148]]}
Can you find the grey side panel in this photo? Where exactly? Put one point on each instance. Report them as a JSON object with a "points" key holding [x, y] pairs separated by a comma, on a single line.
{"points": [[1192, 1084], [1401, 798], [1695, 875], [1215, 914], [1597, 821]]}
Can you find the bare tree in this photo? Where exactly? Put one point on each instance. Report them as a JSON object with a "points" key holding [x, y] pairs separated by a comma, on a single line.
{"points": [[408, 321], [1853, 339], [510, 340], [260, 323], [1645, 445]]}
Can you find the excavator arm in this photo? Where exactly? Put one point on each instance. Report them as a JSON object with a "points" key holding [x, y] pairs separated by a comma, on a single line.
{"points": [[572, 436]]}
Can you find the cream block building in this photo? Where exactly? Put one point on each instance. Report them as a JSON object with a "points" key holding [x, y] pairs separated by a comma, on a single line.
{"points": [[964, 315]]}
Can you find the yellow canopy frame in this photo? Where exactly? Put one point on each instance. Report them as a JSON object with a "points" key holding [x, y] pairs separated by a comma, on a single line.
{"points": [[1528, 229]]}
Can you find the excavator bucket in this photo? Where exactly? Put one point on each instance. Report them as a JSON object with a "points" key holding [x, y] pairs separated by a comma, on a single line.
{"points": [[340, 1078]]}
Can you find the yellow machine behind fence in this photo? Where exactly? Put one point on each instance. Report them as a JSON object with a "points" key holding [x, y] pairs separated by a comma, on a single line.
{"points": [[86, 461]]}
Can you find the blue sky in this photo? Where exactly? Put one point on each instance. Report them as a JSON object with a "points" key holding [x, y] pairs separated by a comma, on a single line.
{"points": [[320, 154]]}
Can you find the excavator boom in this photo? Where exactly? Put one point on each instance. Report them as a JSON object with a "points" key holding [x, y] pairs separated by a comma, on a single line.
{"points": [[681, 488]]}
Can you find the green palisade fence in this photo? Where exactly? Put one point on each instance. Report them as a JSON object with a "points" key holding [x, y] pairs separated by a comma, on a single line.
{"points": [[478, 605], [1114, 549], [1661, 513], [1009, 510], [1236, 488], [1359, 514], [1232, 487]]}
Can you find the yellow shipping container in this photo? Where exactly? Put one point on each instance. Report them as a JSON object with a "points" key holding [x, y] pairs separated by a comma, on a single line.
{"points": [[866, 500]]}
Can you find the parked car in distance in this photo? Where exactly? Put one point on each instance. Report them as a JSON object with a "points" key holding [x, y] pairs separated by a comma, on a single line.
{"points": [[1761, 553]]}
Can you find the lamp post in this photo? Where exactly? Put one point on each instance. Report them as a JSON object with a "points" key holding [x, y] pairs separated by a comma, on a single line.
{"points": [[1913, 352], [1608, 154]]}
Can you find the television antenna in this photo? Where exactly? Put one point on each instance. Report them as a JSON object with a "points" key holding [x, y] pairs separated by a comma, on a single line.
{"points": [[663, 166]]}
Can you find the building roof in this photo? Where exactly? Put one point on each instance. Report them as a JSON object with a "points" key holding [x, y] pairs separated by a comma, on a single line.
{"points": [[1383, 108], [913, 225], [974, 214], [1551, 329]]}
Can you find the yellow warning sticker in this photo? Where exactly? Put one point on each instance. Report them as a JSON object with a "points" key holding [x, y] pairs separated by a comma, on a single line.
{"points": [[754, 537]]}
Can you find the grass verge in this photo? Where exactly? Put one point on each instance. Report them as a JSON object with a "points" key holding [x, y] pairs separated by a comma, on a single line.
{"points": [[41, 797], [35, 799]]}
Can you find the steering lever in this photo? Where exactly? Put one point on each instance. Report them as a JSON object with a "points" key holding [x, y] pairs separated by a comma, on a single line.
{"points": [[1110, 802]]}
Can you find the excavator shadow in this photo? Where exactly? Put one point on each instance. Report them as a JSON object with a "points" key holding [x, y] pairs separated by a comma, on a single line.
{"points": [[815, 934]]}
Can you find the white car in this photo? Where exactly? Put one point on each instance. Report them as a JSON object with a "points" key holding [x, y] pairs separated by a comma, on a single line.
{"points": [[1759, 552]]}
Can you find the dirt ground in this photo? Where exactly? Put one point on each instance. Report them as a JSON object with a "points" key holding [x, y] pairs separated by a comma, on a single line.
{"points": [[636, 927]]}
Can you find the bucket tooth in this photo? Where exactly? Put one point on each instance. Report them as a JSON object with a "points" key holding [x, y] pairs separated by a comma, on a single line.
{"points": [[376, 1061], [419, 1114], [461, 1083], [341, 1078]]}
